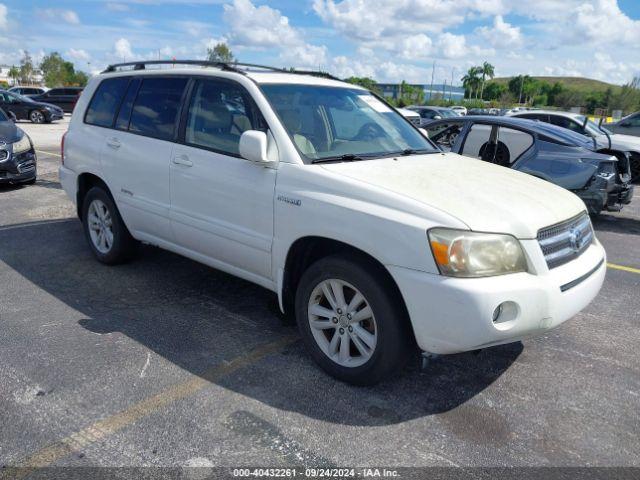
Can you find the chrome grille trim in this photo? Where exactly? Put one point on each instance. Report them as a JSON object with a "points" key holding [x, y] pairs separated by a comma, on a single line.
{"points": [[565, 241]]}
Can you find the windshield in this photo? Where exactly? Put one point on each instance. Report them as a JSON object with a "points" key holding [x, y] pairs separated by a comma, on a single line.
{"points": [[446, 113], [335, 123], [592, 128]]}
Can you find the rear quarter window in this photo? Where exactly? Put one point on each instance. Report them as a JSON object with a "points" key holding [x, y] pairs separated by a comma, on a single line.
{"points": [[105, 102], [155, 111]]}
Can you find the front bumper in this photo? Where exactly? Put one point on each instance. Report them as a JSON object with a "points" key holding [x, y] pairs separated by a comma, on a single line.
{"points": [[451, 315], [18, 168]]}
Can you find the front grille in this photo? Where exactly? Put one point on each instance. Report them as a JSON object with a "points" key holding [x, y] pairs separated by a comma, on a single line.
{"points": [[565, 241]]}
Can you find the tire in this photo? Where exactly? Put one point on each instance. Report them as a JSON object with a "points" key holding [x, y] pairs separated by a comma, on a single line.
{"points": [[387, 342], [36, 116], [99, 209]]}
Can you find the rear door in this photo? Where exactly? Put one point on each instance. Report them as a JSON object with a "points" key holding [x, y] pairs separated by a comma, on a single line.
{"points": [[221, 204], [138, 151]]}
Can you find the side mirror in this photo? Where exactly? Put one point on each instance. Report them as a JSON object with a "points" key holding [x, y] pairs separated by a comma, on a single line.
{"points": [[253, 146], [437, 117]]}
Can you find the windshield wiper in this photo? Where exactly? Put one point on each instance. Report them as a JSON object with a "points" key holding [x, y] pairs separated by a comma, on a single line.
{"points": [[414, 151], [347, 157]]}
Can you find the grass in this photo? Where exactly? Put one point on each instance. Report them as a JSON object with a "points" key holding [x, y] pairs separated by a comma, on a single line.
{"points": [[577, 83]]}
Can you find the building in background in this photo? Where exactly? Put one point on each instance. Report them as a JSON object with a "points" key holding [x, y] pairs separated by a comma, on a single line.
{"points": [[439, 91], [36, 79]]}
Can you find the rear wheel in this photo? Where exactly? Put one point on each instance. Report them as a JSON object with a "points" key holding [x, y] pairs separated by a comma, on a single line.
{"points": [[351, 324], [108, 237]]}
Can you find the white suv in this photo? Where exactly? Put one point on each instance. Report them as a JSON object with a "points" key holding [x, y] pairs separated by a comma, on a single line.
{"points": [[316, 189]]}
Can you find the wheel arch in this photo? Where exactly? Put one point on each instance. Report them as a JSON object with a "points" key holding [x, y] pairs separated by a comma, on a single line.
{"points": [[86, 181], [307, 250]]}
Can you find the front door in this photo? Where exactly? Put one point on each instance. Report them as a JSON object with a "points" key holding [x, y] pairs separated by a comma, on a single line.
{"points": [[221, 204]]}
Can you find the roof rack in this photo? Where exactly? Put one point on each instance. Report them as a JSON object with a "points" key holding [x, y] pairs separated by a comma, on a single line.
{"points": [[228, 66]]}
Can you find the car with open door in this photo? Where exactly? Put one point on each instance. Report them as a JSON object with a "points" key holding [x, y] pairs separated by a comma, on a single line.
{"points": [[542, 150], [605, 141]]}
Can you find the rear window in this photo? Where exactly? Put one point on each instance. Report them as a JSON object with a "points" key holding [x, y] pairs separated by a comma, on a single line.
{"points": [[105, 102], [155, 110]]}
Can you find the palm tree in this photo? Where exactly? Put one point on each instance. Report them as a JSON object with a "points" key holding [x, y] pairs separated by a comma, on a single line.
{"points": [[486, 70], [14, 74], [470, 80]]}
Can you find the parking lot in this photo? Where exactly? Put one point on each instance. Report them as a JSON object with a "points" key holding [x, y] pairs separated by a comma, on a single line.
{"points": [[166, 362]]}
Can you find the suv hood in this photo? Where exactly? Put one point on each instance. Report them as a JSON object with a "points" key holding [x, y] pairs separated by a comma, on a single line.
{"points": [[486, 197]]}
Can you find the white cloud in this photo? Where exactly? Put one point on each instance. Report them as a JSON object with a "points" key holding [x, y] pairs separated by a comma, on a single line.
{"points": [[603, 21], [122, 50], [79, 55], [501, 35], [3, 17], [452, 46], [55, 15], [117, 7], [305, 56], [258, 27]]}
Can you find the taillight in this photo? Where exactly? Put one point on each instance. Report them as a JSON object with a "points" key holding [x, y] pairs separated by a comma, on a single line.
{"points": [[62, 148]]}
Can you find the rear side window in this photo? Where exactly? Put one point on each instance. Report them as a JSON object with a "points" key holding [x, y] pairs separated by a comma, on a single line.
{"points": [[105, 102], [155, 110]]}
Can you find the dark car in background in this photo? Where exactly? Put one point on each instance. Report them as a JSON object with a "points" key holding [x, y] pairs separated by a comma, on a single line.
{"points": [[18, 163], [543, 150], [26, 108], [27, 90], [430, 113], [65, 97]]}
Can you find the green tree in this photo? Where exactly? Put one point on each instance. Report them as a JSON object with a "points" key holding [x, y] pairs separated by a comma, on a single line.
{"points": [[471, 81], [58, 72], [494, 91], [220, 53], [487, 71], [14, 74], [365, 82], [410, 95], [27, 70]]}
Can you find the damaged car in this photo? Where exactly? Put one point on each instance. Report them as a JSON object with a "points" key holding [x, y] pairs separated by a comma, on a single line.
{"points": [[543, 150]]}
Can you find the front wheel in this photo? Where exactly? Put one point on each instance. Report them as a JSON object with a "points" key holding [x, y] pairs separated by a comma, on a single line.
{"points": [[108, 236], [36, 116], [350, 322]]}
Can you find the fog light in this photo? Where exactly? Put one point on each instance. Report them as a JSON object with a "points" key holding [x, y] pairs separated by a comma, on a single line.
{"points": [[505, 314]]}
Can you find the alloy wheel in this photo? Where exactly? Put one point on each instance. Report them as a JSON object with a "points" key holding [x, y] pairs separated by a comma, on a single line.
{"points": [[100, 226], [36, 117], [342, 323]]}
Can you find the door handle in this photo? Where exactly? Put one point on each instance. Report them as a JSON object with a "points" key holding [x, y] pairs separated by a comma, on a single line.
{"points": [[182, 160], [113, 143]]}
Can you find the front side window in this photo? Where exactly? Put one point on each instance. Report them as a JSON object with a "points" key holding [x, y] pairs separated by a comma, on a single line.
{"points": [[335, 123], [155, 111], [219, 113], [105, 101]]}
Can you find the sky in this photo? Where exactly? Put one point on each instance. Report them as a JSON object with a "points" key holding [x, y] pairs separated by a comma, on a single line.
{"points": [[388, 40]]}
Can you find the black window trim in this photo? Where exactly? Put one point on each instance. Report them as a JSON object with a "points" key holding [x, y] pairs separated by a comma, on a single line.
{"points": [[113, 122], [190, 91], [174, 136], [498, 126]]}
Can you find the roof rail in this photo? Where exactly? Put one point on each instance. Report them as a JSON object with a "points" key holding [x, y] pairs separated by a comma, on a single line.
{"points": [[229, 66]]}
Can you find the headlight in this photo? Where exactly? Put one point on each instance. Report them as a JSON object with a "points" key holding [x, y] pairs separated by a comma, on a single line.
{"points": [[460, 253], [22, 145]]}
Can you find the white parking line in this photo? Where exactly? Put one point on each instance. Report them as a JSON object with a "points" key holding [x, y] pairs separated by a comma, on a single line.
{"points": [[49, 153]]}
